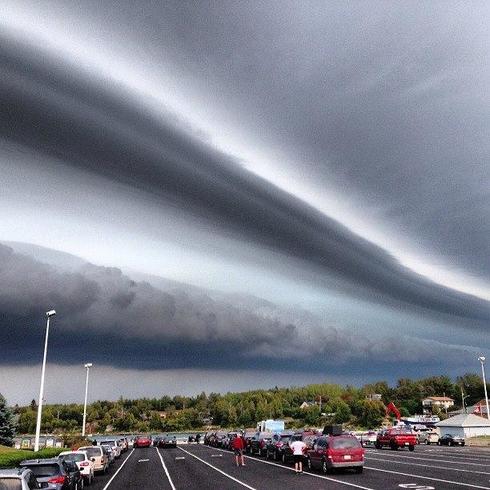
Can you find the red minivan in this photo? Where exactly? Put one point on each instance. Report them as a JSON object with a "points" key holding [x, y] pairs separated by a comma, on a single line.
{"points": [[331, 452]]}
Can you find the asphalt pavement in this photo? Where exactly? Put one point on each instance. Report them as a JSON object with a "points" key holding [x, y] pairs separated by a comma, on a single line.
{"points": [[192, 466]]}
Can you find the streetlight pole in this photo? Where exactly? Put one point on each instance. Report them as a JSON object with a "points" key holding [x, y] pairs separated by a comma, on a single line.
{"points": [[463, 398], [49, 314], [87, 367], [482, 361]]}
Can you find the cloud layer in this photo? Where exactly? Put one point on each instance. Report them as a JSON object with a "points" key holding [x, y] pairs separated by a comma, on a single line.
{"points": [[56, 111], [104, 315]]}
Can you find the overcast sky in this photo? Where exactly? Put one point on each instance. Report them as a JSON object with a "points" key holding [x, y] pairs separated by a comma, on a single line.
{"points": [[318, 172]]}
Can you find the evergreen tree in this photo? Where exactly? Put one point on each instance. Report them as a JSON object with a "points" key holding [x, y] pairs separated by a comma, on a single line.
{"points": [[7, 428]]}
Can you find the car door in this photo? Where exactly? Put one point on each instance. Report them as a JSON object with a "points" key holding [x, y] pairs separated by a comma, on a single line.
{"points": [[318, 451]]}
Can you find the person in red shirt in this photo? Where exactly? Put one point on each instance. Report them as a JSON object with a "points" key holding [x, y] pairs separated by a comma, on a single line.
{"points": [[238, 445]]}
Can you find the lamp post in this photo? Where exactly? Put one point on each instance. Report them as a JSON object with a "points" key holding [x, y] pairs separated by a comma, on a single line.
{"points": [[463, 398], [482, 361], [49, 314], [87, 367]]}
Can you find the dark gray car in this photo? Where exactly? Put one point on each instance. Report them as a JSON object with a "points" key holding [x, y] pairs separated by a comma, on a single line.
{"points": [[54, 474]]}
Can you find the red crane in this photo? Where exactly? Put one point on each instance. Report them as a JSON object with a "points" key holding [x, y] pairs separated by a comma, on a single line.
{"points": [[390, 408]]}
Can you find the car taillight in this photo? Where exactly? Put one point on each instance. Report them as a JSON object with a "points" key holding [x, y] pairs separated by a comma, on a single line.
{"points": [[84, 463], [58, 479]]}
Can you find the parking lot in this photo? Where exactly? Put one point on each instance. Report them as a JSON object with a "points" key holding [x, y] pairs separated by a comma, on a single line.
{"points": [[191, 466]]}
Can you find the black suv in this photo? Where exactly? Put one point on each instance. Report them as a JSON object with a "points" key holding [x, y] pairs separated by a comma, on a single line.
{"points": [[277, 444], [55, 474], [258, 443]]}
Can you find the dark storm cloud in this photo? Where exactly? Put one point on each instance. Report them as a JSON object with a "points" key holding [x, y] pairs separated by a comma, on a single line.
{"points": [[59, 110], [132, 324]]}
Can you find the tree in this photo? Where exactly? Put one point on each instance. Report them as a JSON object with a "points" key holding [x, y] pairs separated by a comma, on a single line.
{"points": [[372, 413], [7, 427]]}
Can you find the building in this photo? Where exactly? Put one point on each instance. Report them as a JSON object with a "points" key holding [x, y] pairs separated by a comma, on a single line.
{"points": [[307, 405], [465, 425], [437, 402]]}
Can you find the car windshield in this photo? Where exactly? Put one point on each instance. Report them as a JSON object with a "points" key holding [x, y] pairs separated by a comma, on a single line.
{"points": [[42, 470], [77, 457], [345, 443], [10, 484]]}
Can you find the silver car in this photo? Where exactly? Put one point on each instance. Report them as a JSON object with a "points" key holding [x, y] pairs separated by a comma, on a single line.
{"points": [[18, 479]]}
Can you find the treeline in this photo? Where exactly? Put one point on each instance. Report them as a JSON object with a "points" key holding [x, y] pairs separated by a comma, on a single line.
{"points": [[325, 403]]}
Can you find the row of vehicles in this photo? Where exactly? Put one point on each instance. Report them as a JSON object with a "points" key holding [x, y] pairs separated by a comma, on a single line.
{"points": [[402, 437], [325, 452], [71, 470]]}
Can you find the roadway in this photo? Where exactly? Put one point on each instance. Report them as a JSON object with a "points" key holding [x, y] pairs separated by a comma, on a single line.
{"points": [[200, 467]]}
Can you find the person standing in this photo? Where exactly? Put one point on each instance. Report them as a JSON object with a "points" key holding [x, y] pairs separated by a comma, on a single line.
{"points": [[298, 448], [238, 445]]}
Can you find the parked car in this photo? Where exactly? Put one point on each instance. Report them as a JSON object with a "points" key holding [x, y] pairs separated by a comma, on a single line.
{"points": [[116, 449], [307, 436], [123, 444], [218, 439], [18, 479], [369, 438], [142, 441], [55, 474], [428, 437], [334, 452], [111, 457], [276, 445], [248, 436], [98, 456], [84, 463], [451, 440], [167, 441], [396, 438], [258, 443], [208, 436]]}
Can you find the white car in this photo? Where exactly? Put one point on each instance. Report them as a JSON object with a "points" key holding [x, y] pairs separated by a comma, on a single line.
{"points": [[116, 449], [19, 478], [85, 464], [97, 453]]}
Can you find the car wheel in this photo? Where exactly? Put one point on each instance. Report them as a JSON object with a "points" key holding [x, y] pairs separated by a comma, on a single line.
{"points": [[438, 443], [276, 456], [283, 458], [267, 454], [393, 446], [308, 463], [378, 445], [427, 442], [462, 443], [325, 468], [450, 443], [411, 448]]}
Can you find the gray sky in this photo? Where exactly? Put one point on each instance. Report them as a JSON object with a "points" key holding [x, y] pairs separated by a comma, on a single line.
{"points": [[329, 157]]}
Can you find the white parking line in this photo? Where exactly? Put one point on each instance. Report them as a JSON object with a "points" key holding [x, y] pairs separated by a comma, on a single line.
{"points": [[430, 466], [406, 459], [218, 470], [306, 473], [427, 478], [118, 470], [165, 469]]}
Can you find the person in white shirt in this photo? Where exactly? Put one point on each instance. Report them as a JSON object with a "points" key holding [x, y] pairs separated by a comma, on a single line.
{"points": [[298, 448]]}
